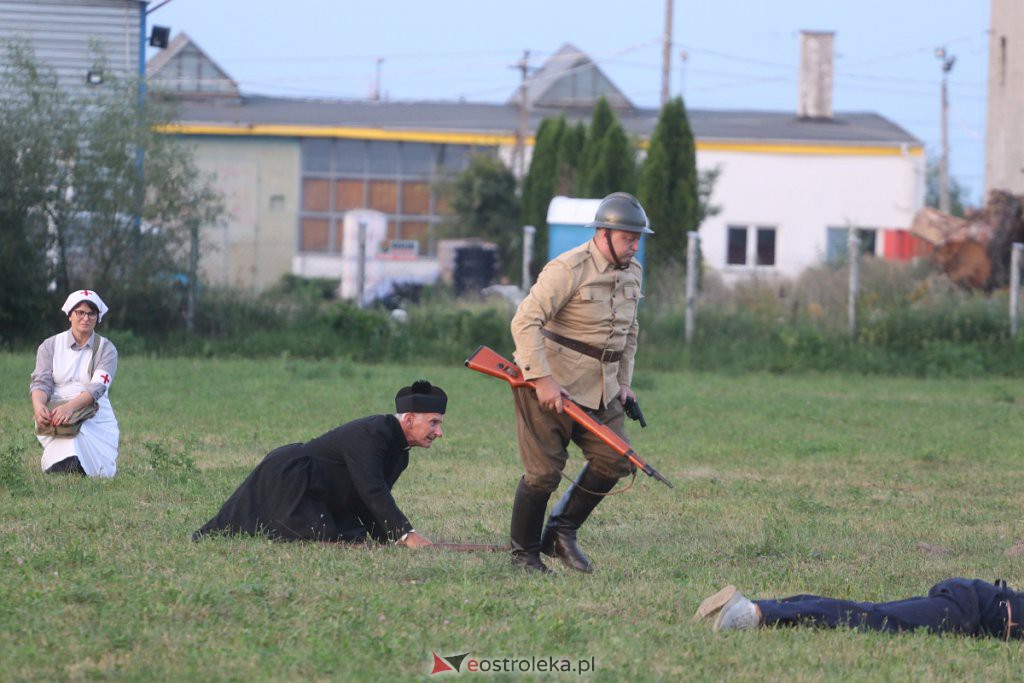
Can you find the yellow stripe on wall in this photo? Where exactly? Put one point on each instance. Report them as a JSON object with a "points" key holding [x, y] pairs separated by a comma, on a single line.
{"points": [[455, 138], [809, 148], [278, 130]]}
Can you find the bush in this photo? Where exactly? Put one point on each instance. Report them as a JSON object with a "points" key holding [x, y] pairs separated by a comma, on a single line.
{"points": [[911, 322]]}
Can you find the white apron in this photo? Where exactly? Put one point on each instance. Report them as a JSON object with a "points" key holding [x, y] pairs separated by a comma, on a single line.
{"points": [[96, 442]]}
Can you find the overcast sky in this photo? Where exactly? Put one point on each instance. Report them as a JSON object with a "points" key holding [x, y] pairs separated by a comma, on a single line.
{"points": [[740, 54]]}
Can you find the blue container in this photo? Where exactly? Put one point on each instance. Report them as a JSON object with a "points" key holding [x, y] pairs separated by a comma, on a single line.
{"points": [[567, 217]]}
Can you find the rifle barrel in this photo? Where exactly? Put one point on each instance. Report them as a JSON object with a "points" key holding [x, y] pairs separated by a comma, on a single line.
{"points": [[487, 361]]}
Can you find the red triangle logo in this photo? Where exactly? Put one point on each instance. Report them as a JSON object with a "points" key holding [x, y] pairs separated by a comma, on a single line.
{"points": [[440, 665]]}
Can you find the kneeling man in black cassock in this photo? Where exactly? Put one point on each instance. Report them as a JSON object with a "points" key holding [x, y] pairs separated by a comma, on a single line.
{"points": [[337, 487]]}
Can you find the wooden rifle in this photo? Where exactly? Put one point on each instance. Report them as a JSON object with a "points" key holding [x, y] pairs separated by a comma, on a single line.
{"points": [[489, 362]]}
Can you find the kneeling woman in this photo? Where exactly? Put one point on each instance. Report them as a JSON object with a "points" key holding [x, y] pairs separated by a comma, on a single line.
{"points": [[74, 370]]}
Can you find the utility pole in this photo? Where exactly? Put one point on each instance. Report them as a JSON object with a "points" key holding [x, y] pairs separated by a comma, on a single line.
{"points": [[666, 53], [683, 57], [520, 152], [376, 80], [947, 66]]}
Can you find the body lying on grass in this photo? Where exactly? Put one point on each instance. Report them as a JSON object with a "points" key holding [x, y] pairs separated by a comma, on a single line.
{"points": [[337, 487], [968, 607]]}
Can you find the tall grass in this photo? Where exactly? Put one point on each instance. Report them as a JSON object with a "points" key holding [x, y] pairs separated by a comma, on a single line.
{"points": [[911, 322]]}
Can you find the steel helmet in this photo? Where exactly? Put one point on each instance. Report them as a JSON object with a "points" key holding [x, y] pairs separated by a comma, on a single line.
{"points": [[621, 211]]}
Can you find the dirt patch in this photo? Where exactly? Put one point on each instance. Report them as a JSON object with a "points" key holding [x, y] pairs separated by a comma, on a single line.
{"points": [[932, 550]]}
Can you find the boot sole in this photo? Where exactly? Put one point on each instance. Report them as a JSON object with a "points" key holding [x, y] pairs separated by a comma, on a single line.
{"points": [[715, 603]]}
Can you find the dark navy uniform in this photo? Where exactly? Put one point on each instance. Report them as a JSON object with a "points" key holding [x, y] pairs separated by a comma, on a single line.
{"points": [[969, 607]]}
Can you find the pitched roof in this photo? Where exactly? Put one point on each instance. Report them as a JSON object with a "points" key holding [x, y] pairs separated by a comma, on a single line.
{"points": [[183, 68], [569, 78]]}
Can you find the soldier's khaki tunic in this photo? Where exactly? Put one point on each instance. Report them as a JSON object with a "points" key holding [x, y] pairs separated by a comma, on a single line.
{"points": [[582, 296]]}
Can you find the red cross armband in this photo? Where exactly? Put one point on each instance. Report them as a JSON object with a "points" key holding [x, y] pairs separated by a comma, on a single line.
{"points": [[102, 376]]}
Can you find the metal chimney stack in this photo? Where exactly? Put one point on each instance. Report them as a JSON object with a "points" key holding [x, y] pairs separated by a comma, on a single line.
{"points": [[816, 57]]}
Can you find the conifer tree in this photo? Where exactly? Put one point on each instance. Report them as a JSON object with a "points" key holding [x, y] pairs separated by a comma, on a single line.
{"points": [[608, 162], [615, 170], [539, 186], [569, 155], [601, 119], [669, 185]]}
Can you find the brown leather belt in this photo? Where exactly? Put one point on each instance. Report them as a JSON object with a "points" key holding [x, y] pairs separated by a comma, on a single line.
{"points": [[603, 355]]}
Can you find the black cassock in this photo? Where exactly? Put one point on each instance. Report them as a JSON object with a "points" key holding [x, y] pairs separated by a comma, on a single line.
{"points": [[336, 487]]}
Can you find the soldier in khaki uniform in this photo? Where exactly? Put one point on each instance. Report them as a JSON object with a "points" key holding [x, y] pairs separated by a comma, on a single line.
{"points": [[575, 335]]}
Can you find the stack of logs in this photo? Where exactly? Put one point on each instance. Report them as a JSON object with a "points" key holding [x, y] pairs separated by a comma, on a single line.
{"points": [[974, 251]]}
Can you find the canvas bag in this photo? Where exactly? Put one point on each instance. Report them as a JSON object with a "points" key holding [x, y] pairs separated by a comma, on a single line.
{"points": [[75, 420]]}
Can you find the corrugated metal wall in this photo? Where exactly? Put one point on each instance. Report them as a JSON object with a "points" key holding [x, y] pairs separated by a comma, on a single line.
{"points": [[74, 36]]}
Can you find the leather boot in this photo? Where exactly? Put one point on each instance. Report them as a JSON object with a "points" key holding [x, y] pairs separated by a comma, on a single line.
{"points": [[528, 512], [559, 539]]}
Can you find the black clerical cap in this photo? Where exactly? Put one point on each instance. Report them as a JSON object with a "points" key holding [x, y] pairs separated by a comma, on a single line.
{"points": [[421, 397]]}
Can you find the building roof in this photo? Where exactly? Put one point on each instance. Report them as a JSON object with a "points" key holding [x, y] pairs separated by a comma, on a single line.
{"points": [[569, 83], [183, 68], [568, 79], [474, 118]]}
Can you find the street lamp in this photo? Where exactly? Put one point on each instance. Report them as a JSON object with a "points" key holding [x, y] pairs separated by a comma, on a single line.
{"points": [[947, 66]]}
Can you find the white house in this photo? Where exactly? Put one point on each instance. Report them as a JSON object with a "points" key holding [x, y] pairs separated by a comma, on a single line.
{"points": [[789, 205], [789, 197]]}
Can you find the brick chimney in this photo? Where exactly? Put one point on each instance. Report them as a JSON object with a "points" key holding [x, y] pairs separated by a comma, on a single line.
{"points": [[816, 57]]}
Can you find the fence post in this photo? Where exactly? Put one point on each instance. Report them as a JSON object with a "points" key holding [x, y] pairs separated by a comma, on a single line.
{"points": [[361, 266], [1018, 247], [853, 252], [692, 249], [528, 233]]}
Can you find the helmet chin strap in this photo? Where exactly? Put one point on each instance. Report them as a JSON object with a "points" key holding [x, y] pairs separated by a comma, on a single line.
{"points": [[615, 257]]}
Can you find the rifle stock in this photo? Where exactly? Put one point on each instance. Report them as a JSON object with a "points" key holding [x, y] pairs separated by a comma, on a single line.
{"points": [[490, 362]]}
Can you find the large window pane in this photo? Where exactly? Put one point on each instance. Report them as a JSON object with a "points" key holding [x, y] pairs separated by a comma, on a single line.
{"points": [[384, 196], [414, 229], [348, 194], [314, 234], [454, 157], [316, 155], [350, 156], [835, 245], [316, 195], [383, 157], [418, 158], [736, 249], [766, 246], [415, 198], [867, 241]]}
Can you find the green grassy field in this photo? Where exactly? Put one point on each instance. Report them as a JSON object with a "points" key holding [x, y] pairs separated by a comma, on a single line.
{"points": [[860, 487]]}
